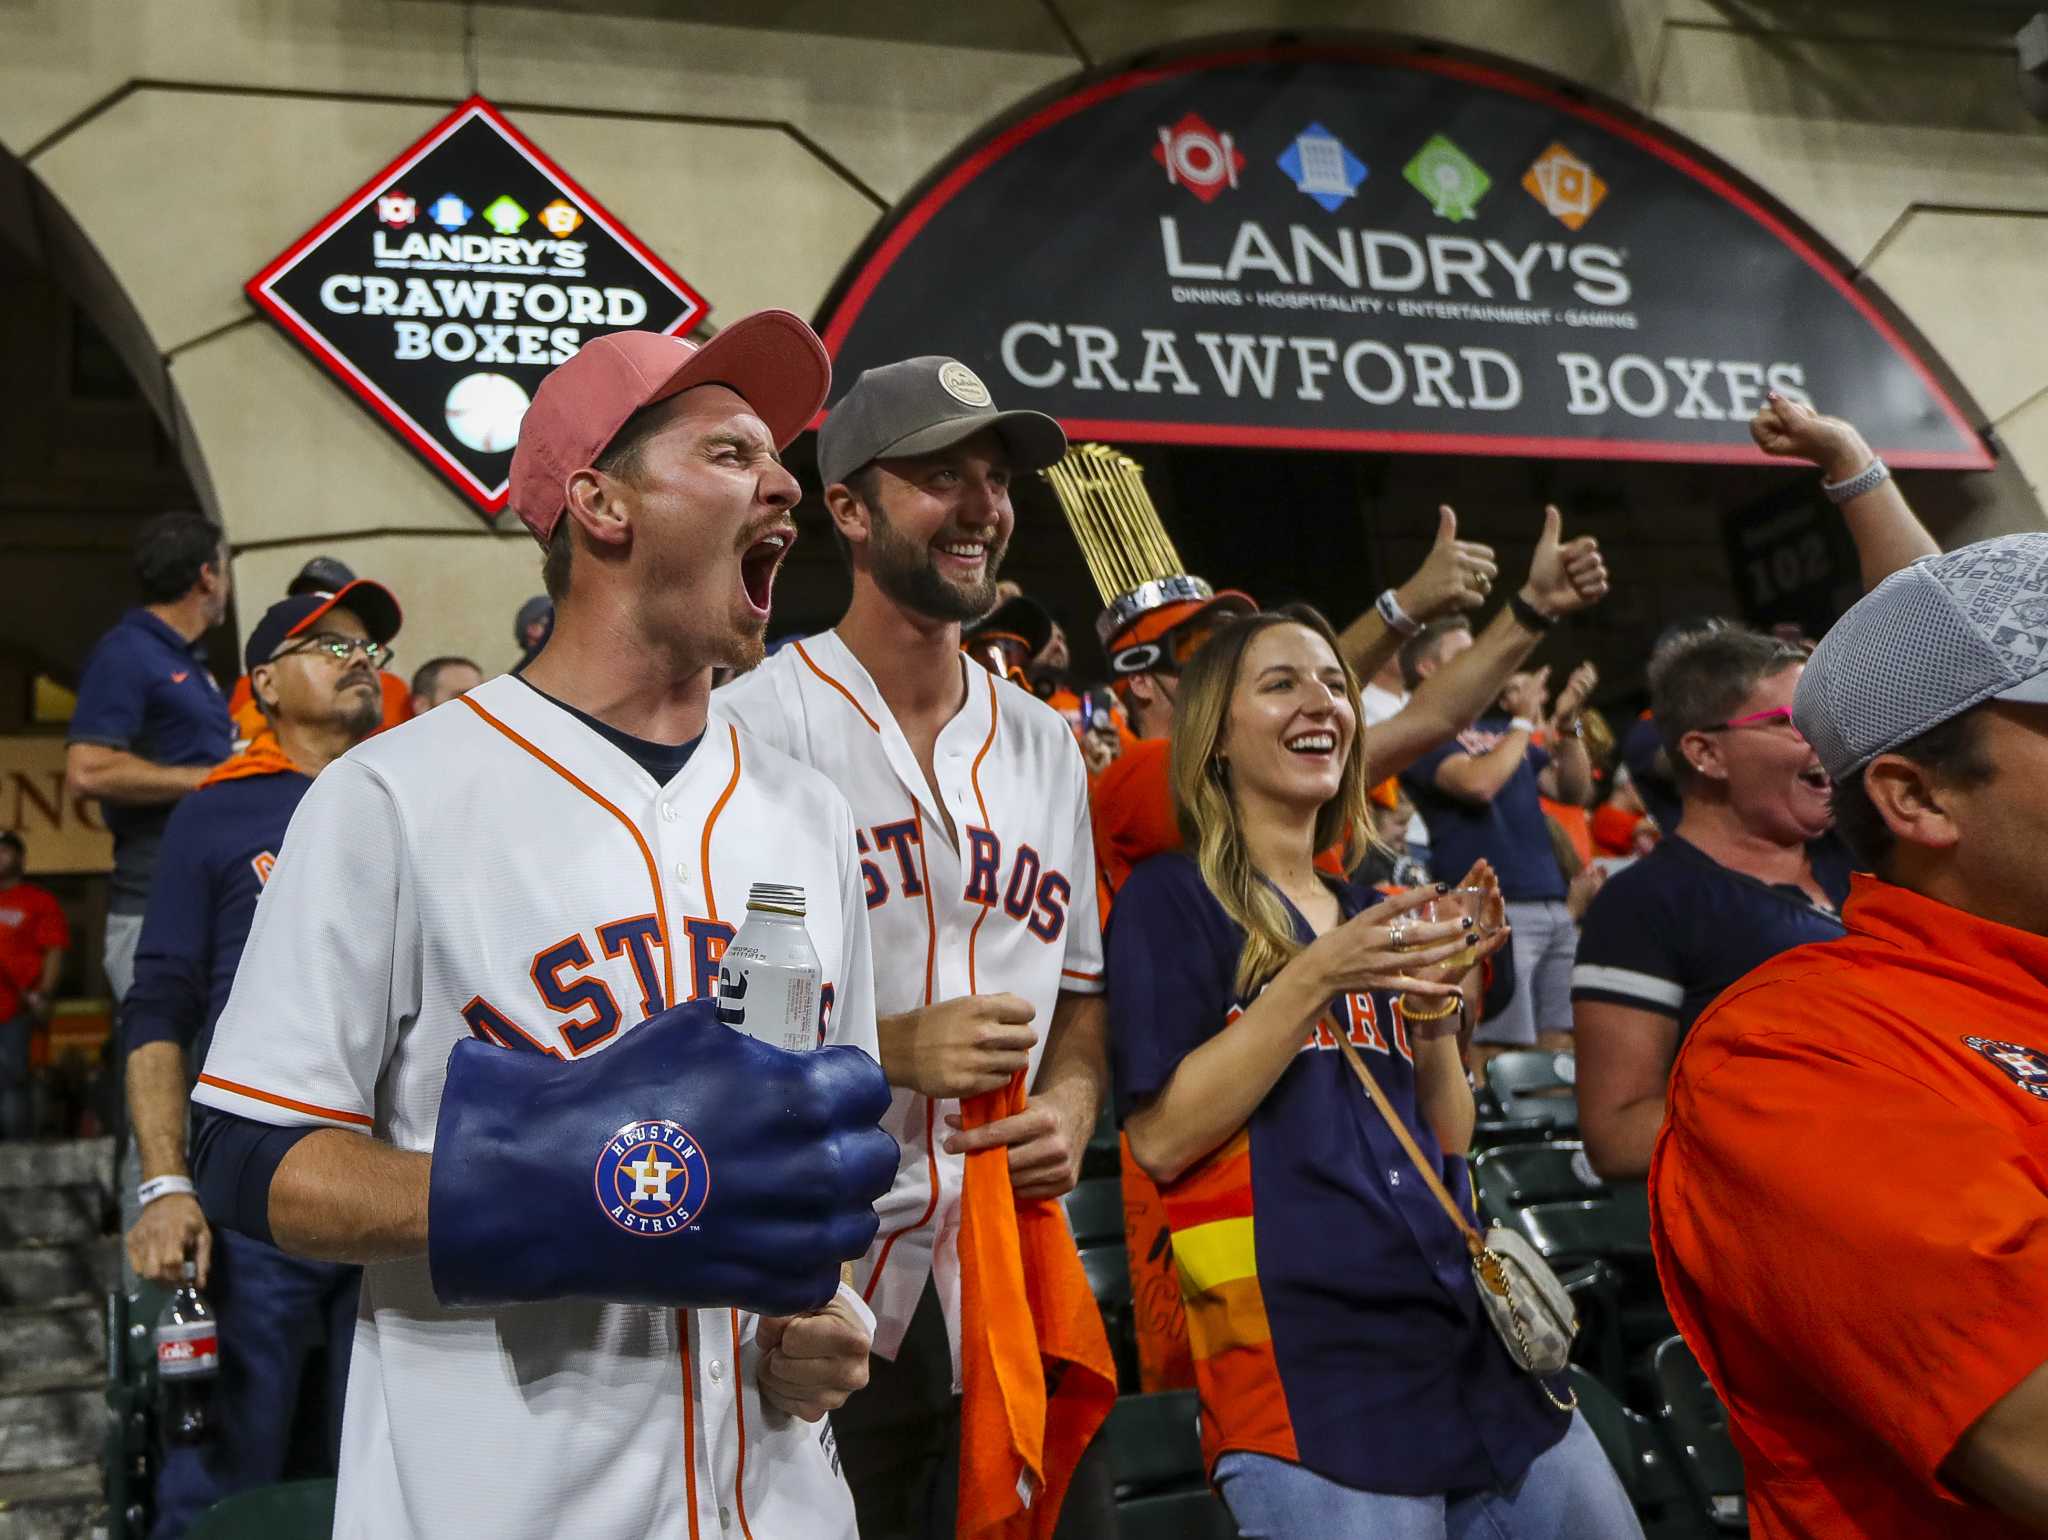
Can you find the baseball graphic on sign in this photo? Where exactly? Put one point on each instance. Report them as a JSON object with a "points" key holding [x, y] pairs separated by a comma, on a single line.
{"points": [[484, 410]]}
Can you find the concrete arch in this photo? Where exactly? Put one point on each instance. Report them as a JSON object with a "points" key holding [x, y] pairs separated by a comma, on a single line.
{"points": [[190, 143]]}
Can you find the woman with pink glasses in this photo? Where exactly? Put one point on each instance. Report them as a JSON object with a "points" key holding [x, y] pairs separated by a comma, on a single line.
{"points": [[1753, 868]]}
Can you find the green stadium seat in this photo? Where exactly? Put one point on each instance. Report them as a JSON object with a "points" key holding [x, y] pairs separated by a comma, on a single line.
{"points": [[1155, 1443], [1492, 1133], [1102, 1157], [293, 1510], [1643, 1461], [1698, 1426], [1108, 1270], [1095, 1211], [1614, 1227], [1514, 1176], [1529, 1084], [130, 1455], [1175, 1516]]}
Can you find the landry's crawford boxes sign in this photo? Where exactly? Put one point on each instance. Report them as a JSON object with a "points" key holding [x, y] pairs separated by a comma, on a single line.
{"points": [[448, 285], [1347, 246]]}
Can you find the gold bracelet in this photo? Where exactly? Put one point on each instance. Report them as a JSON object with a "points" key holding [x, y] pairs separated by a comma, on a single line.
{"points": [[1408, 1012]]}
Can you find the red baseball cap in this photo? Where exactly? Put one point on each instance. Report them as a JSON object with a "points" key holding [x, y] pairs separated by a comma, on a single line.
{"points": [[770, 358]]}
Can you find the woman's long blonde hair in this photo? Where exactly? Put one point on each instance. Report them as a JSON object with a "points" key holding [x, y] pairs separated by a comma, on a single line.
{"points": [[1208, 813]]}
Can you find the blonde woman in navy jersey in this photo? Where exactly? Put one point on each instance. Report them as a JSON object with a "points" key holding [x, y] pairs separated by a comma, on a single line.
{"points": [[1350, 1383]]}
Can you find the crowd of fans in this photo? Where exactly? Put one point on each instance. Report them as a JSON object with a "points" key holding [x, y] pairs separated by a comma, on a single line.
{"points": [[1278, 804]]}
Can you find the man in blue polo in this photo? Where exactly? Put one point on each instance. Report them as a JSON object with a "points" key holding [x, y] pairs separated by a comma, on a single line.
{"points": [[313, 666], [151, 723]]}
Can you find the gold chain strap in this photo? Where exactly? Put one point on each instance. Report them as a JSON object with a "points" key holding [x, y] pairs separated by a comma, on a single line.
{"points": [[1492, 1273]]}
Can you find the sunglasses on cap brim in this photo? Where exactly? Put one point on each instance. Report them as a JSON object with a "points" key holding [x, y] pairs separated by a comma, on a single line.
{"points": [[1171, 653]]}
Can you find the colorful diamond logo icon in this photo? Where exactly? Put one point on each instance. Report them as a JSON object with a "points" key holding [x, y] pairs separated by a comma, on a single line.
{"points": [[1565, 185], [504, 216], [450, 212], [1202, 159], [397, 208], [1450, 179], [1319, 165], [560, 218]]}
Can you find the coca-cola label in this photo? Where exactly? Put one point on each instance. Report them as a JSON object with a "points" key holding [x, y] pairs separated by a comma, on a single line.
{"points": [[189, 1348]]}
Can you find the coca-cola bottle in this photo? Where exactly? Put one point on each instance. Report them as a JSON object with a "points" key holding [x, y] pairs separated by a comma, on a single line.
{"points": [[187, 1363]]}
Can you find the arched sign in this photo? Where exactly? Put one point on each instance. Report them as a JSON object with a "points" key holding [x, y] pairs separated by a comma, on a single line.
{"points": [[1338, 245]]}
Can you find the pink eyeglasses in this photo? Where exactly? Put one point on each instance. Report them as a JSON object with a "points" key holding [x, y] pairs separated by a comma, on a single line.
{"points": [[1777, 716]]}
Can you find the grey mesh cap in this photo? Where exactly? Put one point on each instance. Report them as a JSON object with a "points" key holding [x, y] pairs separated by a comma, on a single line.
{"points": [[1928, 643], [923, 404]]}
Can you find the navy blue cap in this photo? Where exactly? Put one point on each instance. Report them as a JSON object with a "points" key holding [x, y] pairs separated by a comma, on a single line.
{"points": [[321, 575], [371, 603]]}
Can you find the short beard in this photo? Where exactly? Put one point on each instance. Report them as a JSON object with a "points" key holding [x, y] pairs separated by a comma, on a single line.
{"points": [[359, 716], [906, 572], [746, 652]]}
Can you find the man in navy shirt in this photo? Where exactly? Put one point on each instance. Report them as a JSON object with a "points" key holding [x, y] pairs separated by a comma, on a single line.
{"points": [[313, 664], [1481, 795], [150, 723]]}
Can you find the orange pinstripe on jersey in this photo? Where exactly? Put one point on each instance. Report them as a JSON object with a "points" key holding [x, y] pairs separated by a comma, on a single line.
{"points": [[668, 965], [813, 667], [981, 802], [704, 856], [739, 1408], [285, 1101]]}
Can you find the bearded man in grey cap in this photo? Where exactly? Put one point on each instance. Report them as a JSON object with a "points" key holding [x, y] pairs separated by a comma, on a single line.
{"points": [[1850, 1192], [971, 802]]}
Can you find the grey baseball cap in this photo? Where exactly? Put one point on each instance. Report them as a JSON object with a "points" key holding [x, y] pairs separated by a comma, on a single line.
{"points": [[923, 404], [1928, 643]]}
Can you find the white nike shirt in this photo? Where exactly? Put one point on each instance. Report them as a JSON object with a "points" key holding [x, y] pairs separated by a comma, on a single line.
{"points": [[1010, 908], [496, 868]]}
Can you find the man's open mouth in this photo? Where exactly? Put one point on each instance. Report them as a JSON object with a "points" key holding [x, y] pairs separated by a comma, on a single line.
{"points": [[761, 562]]}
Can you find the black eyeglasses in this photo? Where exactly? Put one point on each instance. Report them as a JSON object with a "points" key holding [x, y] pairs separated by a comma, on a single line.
{"points": [[339, 648]]}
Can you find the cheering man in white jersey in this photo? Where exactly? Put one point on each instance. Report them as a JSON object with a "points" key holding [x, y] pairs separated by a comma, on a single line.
{"points": [[971, 801], [455, 1050]]}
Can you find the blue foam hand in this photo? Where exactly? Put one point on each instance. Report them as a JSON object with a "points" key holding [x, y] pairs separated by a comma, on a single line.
{"points": [[686, 1166]]}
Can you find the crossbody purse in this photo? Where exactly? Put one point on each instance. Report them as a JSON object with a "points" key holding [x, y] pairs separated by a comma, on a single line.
{"points": [[1529, 1308]]}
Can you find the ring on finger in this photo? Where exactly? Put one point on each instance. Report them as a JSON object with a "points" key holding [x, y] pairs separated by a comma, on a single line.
{"points": [[1397, 935]]}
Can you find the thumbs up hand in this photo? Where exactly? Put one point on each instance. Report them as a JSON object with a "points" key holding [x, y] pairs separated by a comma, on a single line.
{"points": [[1456, 575], [1565, 576]]}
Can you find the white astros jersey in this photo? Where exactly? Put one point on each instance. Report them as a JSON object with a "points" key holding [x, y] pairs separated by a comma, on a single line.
{"points": [[498, 869], [1013, 911]]}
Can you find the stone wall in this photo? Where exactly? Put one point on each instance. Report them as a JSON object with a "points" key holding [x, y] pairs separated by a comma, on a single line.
{"points": [[191, 142]]}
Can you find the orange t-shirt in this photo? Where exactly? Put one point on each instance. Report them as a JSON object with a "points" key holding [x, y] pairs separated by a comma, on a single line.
{"points": [[1850, 1210], [1131, 804]]}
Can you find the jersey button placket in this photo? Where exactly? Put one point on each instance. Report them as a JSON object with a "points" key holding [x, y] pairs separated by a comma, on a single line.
{"points": [[668, 812]]}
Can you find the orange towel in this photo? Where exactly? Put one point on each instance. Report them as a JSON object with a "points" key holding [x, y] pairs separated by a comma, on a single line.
{"points": [[1036, 1374], [263, 756]]}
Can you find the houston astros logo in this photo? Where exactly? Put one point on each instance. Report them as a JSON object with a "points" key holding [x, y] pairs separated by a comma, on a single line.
{"points": [[2027, 1067], [652, 1178]]}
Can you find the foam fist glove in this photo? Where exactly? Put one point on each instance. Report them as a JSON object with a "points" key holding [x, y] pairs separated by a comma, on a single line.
{"points": [[687, 1166]]}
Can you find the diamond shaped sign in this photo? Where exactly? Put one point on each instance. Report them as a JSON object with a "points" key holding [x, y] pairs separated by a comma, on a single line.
{"points": [[444, 324]]}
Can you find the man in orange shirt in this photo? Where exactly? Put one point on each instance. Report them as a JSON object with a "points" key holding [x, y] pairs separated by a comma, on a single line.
{"points": [[1849, 1195], [33, 936]]}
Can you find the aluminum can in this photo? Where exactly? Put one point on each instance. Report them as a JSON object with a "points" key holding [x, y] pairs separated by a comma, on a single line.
{"points": [[769, 978]]}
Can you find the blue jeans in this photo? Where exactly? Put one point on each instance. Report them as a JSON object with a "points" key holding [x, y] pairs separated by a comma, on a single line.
{"points": [[1569, 1493], [14, 1104], [273, 1311]]}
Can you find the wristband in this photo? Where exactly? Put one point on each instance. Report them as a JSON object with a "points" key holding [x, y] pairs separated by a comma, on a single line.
{"points": [[1450, 1004], [1528, 614], [1869, 479], [1398, 620], [1522, 725], [162, 1187]]}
